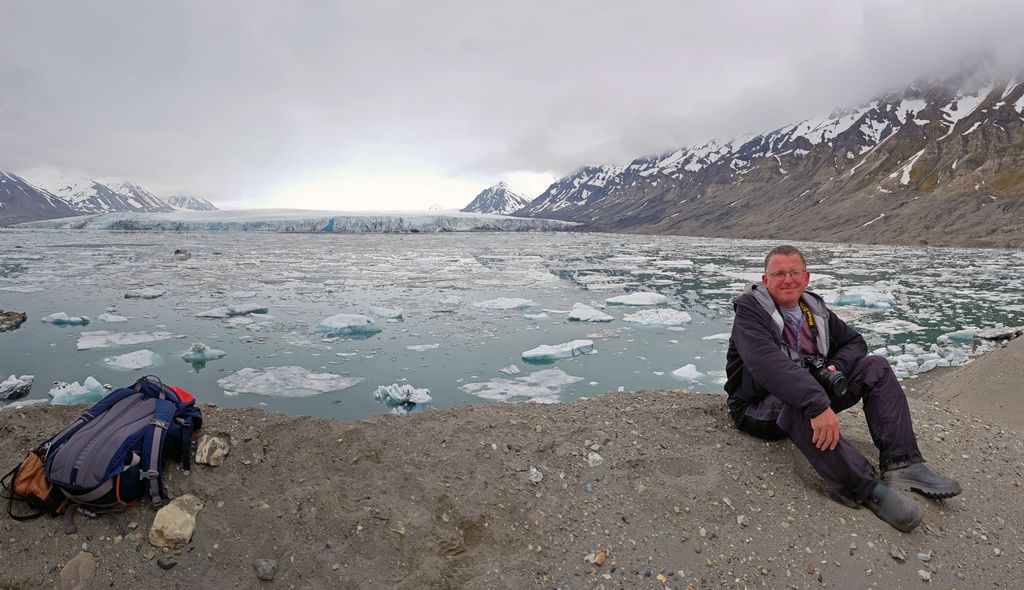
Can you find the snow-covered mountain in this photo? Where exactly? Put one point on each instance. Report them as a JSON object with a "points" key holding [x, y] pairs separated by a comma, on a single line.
{"points": [[498, 199], [21, 201], [191, 203], [939, 162], [88, 195]]}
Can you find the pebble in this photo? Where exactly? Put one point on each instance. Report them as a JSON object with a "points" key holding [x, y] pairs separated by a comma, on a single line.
{"points": [[695, 543], [535, 475], [742, 520], [897, 554], [925, 575], [925, 555], [78, 573], [593, 459], [166, 564], [266, 569]]}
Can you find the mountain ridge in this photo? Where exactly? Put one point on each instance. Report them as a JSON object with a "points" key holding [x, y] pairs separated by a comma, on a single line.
{"points": [[499, 199]]}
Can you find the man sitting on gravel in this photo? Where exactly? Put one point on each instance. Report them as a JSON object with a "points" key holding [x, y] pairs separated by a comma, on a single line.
{"points": [[792, 365]]}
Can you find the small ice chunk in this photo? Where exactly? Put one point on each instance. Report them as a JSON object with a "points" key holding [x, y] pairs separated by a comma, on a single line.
{"points": [[510, 370], [386, 313], [288, 382], [15, 387], [348, 324], [540, 386], [242, 294], [582, 312], [422, 347], [547, 352], [504, 303], [147, 293], [658, 317], [966, 335], [140, 359], [404, 398], [66, 394], [111, 318], [638, 299], [200, 353], [688, 373], [233, 310], [450, 300], [105, 339], [536, 316], [722, 337], [863, 296], [62, 319]]}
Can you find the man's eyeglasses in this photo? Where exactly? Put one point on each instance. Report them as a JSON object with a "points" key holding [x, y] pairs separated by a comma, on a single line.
{"points": [[793, 274]]}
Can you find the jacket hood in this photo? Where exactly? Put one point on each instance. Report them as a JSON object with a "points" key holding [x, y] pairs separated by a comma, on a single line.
{"points": [[814, 301]]}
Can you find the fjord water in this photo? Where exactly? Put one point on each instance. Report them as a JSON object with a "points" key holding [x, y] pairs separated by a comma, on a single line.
{"points": [[436, 279]]}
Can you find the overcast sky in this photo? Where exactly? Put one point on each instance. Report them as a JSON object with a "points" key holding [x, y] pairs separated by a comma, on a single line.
{"points": [[403, 105]]}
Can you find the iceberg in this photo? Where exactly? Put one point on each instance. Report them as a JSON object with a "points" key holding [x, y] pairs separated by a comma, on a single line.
{"points": [[864, 296], [547, 352], [15, 387], [542, 387], [348, 324], [386, 313], [233, 310], [105, 339], [286, 382], [504, 303], [638, 299], [201, 353], [584, 313], [111, 318], [67, 394], [147, 293], [658, 317], [402, 399], [140, 359], [688, 373], [62, 319]]}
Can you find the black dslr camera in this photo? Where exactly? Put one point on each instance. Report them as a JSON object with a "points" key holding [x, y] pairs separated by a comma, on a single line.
{"points": [[833, 382]]}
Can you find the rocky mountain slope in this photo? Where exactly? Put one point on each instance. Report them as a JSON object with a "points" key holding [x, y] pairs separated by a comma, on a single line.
{"points": [[191, 203], [21, 201], [498, 199], [940, 162]]}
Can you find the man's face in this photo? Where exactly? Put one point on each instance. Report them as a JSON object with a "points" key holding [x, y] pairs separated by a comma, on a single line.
{"points": [[784, 288]]}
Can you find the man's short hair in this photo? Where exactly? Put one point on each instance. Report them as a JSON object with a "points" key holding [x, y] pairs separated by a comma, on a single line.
{"points": [[784, 250]]}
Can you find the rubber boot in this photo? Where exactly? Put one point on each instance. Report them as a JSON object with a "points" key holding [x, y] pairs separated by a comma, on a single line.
{"points": [[918, 478], [901, 512]]}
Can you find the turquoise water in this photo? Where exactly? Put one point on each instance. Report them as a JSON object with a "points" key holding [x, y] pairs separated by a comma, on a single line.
{"points": [[436, 280]]}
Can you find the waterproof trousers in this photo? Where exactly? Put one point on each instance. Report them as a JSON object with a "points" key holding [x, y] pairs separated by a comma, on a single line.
{"points": [[845, 469]]}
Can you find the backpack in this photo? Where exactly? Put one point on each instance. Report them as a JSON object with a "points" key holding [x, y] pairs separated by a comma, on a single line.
{"points": [[114, 452]]}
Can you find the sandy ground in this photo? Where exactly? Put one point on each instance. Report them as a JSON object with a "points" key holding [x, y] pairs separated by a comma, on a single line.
{"points": [[444, 499]]}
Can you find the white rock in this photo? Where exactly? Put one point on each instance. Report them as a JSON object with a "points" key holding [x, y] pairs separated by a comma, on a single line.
{"points": [[212, 450], [174, 524]]}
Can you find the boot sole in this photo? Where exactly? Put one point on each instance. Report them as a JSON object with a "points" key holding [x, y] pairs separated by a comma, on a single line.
{"points": [[927, 491]]}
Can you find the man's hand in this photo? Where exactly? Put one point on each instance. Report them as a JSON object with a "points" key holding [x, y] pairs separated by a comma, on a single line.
{"points": [[826, 430]]}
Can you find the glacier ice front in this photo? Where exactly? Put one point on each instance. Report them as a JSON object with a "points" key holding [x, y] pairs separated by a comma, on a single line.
{"points": [[284, 382], [348, 324]]}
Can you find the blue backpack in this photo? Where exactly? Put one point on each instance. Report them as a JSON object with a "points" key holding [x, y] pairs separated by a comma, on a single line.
{"points": [[114, 452]]}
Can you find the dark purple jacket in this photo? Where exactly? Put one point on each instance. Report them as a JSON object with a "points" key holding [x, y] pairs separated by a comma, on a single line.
{"points": [[759, 363]]}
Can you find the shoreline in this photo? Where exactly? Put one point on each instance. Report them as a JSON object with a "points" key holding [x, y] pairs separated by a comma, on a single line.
{"points": [[445, 499]]}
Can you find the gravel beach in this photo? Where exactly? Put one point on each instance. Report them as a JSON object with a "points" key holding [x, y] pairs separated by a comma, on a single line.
{"points": [[651, 489]]}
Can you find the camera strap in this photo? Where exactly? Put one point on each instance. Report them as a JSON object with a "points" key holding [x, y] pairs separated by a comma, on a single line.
{"points": [[807, 312]]}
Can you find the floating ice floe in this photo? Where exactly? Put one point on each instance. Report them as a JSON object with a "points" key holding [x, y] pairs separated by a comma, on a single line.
{"points": [[582, 312], [965, 335], [422, 347], [450, 300], [140, 359], [543, 387], [111, 318], [863, 296], [386, 313], [242, 294], [683, 263], [147, 293], [62, 319], [510, 370], [402, 399], [504, 303], [201, 353], [15, 387], [536, 316], [105, 339], [892, 327], [288, 382], [658, 317], [233, 310], [688, 373], [548, 352], [348, 324], [89, 392], [638, 299], [723, 337]]}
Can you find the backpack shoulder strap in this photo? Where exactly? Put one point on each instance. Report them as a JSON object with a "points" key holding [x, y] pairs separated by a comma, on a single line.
{"points": [[153, 450]]}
